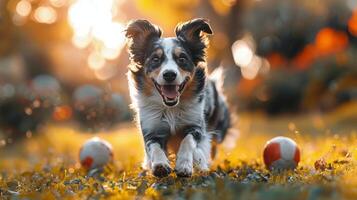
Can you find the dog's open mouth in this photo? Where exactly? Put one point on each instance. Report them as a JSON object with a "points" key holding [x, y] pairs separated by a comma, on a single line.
{"points": [[170, 93]]}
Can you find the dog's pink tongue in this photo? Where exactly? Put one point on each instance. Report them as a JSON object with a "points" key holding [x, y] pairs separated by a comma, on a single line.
{"points": [[170, 91]]}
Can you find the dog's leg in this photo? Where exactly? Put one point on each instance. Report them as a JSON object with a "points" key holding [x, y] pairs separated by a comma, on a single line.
{"points": [[159, 162], [194, 150], [155, 145], [201, 154], [184, 161]]}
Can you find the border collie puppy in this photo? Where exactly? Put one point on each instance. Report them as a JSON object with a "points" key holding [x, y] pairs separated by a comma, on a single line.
{"points": [[176, 104]]}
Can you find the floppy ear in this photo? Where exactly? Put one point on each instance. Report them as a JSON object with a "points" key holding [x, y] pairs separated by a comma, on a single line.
{"points": [[194, 34], [140, 34]]}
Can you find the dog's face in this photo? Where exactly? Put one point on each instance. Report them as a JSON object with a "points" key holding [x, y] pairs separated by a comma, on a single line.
{"points": [[170, 64]]}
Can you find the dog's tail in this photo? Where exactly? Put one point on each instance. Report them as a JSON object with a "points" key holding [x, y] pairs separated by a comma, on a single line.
{"points": [[219, 119], [217, 76], [224, 131]]}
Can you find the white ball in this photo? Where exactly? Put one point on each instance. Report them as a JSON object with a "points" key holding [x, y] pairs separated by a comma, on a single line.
{"points": [[281, 153], [95, 153]]}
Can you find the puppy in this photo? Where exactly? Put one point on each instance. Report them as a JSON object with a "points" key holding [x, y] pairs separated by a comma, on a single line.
{"points": [[176, 104]]}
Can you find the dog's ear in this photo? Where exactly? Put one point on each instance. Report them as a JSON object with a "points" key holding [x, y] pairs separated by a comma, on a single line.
{"points": [[191, 30], [194, 34], [140, 34]]}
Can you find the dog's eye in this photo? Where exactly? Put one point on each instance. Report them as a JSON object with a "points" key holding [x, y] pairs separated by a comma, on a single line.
{"points": [[155, 60], [181, 60]]}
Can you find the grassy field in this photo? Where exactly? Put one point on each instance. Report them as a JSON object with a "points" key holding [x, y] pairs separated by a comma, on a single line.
{"points": [[45, 166]]}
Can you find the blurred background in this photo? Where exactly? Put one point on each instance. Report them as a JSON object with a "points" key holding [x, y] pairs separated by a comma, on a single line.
{"points": [[64, 61]]}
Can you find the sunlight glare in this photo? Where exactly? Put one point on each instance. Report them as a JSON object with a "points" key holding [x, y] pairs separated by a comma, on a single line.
{"points": [[106, 35]]}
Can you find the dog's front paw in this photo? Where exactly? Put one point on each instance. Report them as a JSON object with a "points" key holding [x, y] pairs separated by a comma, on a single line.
{"points": [[161, 170], [201, 162], [183, 168], [202, 167]]}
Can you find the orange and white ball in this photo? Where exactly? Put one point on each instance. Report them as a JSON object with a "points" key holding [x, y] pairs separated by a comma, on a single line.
{"points": [[95, 153], [281, 153]]}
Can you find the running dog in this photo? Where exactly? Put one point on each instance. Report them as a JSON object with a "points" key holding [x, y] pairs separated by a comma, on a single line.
{"points": [[176, 103]]}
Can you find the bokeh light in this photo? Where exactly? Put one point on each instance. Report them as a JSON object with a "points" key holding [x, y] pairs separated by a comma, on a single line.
{"points": [[62, 113], [45, 15], [46, 87], [23, 8], [95, 61], [251, 71], [58, 3], [242, 53], [81, 41], [352, 24], [329, 40], [105, 73]]}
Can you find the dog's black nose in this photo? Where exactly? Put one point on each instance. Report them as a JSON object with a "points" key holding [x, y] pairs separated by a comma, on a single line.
{"points": [[169, 75]]}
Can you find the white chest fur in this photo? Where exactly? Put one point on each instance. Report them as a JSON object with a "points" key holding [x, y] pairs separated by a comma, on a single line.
{"points": [[152, 112]]}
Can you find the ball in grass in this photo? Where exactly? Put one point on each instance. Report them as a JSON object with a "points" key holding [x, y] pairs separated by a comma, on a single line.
{"points": [[281, 153], [95, 153]]}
